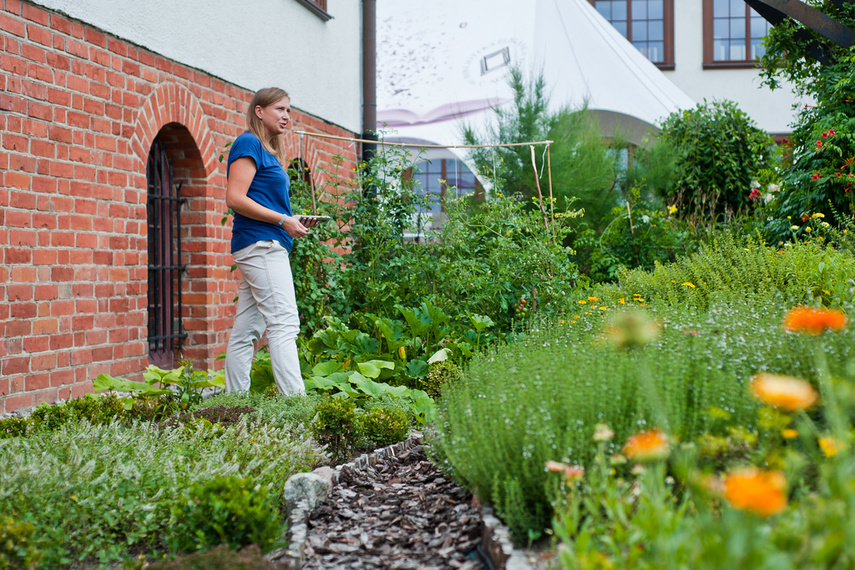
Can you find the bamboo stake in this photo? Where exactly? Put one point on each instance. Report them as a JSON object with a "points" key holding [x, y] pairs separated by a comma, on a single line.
{"points": [[551, 199], [539, 193]]}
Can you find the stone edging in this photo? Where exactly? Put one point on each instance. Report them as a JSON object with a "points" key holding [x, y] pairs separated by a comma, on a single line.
{"points": [[306, 491]]}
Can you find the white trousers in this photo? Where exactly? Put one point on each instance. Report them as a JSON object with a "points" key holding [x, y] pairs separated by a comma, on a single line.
{"points": [[266, 299]]}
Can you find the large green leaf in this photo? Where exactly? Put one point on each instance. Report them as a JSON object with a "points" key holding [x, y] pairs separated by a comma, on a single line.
{"points": [[417, 368], [327, 368], [373, 368]]}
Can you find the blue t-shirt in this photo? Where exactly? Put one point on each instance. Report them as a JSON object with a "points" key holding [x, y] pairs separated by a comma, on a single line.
{"points": [[269, 187]]}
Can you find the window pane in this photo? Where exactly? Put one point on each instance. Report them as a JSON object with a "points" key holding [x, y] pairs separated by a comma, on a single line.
{"points": [[621, 27], [639, 31], [721, 8], [656, 9], [721, 29], [605, 9], [737, 50], [737, 8], [639, 9], [737, 29], [757, 49], [759, 27], [721, 50], [656, 30], [619, 9], [656, 52]]}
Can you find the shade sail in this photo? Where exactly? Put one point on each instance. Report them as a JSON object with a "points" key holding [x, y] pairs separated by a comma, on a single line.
{"points": [[443, 62]]}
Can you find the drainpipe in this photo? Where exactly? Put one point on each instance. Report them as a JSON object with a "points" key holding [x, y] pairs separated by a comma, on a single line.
{"points": [[369, 76]]}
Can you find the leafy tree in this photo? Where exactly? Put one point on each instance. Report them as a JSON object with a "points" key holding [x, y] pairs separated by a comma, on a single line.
{"points": [[583, 168], [818, 176], [718, 152]]}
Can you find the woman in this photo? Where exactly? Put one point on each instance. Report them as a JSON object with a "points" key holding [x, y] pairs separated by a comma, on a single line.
{"points": [[262, 236]]}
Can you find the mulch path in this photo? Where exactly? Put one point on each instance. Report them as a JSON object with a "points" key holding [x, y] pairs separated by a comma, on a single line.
{"points": [[400, 513]]}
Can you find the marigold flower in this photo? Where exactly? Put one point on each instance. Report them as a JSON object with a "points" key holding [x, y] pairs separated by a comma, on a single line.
{"points": [[814, 320], [828, 446], [783, 392], [756, 491], [789, 433], [594, 299], [649, 445], [688, 284], [582, 302]]}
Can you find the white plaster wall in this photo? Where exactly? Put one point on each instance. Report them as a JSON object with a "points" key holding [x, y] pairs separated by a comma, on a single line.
{"points": [[771, 110], [253, 44]]}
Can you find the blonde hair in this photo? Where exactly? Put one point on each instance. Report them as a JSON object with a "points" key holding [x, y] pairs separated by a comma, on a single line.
{"points": [[273, 144]]}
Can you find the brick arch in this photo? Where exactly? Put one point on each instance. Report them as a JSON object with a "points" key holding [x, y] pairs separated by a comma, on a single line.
{"points": [[174, 103], [308, 151]]}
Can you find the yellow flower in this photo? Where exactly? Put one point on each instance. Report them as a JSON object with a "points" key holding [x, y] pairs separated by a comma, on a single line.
{"points": [[814, 321], [817, 215], [622, 301], [638, 299], [783, 392], [402, 352], [576, 317], [759, 492], [562, 322], [650, 445], [789, 433], [672, 209], [828, 446], [687, 284], [594, 299], [807, 229], [582, 302], [604, 308]]}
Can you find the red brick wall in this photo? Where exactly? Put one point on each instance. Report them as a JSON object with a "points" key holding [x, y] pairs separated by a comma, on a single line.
{"points": [[80, 109]]}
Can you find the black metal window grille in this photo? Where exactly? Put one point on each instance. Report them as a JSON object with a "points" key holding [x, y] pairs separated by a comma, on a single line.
{"points": [[165, 330]]}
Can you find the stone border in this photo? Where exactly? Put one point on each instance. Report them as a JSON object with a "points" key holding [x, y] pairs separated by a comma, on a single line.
{"points": [[306, 491]]}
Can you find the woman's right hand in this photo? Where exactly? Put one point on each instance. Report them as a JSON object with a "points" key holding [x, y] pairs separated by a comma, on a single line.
{"points": [[294, 228]]}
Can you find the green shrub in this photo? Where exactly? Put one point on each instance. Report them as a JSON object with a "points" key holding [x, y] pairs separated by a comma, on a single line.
{"points": [[440, 375], [720, 152], [335, 425], [293, 411], [14, 427], [383, 425], [18, 548], [731, 268], [229, 510]]}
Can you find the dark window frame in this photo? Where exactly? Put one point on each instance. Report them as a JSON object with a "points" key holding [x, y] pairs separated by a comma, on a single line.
{"points": [[318, 8], [667, 63], [709, 48], [166, 333]]}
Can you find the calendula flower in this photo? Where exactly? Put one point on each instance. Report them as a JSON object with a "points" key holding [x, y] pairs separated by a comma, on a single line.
{"points": [[602, 432], [756, 491], [571, 472], [789, 433], [687, 284], [783, 392], [649, 445], [828, 446], [814, 320], [582, 302], [593, 299], [622, 301]]}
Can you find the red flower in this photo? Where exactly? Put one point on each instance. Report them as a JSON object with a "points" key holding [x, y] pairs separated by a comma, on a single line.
{"points": [[755, 193], [830, 131], [839, 174], [819, 143], [816, 176], [825, 135]]}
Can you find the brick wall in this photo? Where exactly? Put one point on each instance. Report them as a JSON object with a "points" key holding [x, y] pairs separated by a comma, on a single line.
{"points": [[80, 110]]}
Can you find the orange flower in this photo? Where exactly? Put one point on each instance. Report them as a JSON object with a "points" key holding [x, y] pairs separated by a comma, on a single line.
{"points": [[789, 433], [814, 320], [828, 446], [783, 392], [650, 445], [571, 472], [760, 492]]}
